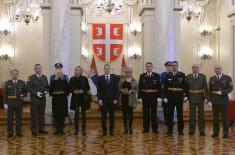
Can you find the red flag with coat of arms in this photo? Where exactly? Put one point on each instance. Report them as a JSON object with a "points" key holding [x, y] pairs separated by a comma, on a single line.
{"points": [[107, 41]]}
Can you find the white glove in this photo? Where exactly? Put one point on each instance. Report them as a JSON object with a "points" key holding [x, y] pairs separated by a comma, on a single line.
{"points": [[39, 94], [140, 100], [5, 106], [209, 103], [219, 93], [165, 100], [100, 102], [159, 100], [185, 99]]}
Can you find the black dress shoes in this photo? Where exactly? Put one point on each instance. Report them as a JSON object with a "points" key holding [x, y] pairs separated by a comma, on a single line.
{"points": [[10, 135], [215, 135], [34, 134], [191, 133], [226, 136], [19, 135], [43, 132], [202, 134], [145, 131]]}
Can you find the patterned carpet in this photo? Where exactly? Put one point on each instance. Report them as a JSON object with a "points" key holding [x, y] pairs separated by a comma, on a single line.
{"points": [[93, 143]]}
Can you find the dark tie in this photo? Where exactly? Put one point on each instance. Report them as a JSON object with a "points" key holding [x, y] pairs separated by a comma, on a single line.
{"points": [[107, 79], [218, 78], [14, 82]]}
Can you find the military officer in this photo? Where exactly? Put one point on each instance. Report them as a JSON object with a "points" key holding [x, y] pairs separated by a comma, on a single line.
{"points": [[58, 69], [14, 92], [150, 93], [220, 85], [38, 87], [163, 78], [198, 92], [175, 93]]}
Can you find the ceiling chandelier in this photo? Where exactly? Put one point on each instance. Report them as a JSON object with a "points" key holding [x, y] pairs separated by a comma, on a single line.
{"points": [[193, 8], [110, 5], [27, 10]]}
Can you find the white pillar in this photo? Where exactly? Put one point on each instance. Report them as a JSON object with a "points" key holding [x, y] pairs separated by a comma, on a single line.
{"points": [[167, 33], [148, 48], [61, 34]]}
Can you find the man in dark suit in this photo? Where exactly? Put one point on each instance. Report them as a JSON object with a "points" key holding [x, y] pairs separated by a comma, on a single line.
{"points": [[107, 89], [198, 92], [150, 93], [220, 86], [175, 93], [14, 92], [163, 79], [38, 87]]}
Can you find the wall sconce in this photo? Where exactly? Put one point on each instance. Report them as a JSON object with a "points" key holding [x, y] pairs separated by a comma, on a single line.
{"points": [[84, 28], [134, 53], [135, 28], [85, 53], [5, 53], [205, 30], [206, 53], [5, 27]]}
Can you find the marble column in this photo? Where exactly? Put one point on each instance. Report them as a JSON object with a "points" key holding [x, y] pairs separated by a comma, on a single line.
{"points": [[61, 34], [167, 33]]}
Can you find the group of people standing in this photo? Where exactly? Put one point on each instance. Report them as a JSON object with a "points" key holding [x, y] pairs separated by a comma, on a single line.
{"points": [[170, 89]]}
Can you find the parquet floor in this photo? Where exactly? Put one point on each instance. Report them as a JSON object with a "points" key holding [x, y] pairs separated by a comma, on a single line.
{"points": [[94, 144]]}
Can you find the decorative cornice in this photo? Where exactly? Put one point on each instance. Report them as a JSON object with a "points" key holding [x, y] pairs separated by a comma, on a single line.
{"points": [[146, 8], [231, 13]]}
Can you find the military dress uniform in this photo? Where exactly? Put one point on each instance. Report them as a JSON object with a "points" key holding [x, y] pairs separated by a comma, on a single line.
{"points": [[14, 92], [37, 84], [175, 90], [224, 84], [149, 91], [198, 92]]}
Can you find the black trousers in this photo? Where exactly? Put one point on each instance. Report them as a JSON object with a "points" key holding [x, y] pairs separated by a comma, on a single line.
{"points": [[15, 109], [37, 112], [127, 112], [165, 112], [150, 114], [220, 109], [107, 107], [59, 123], [179, 108], [76, 118]]}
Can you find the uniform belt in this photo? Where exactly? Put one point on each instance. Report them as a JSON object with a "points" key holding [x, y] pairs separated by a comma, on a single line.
{"points": [[175, 89], [150, 90], [214, 92], [12, 97], [196, 91]]}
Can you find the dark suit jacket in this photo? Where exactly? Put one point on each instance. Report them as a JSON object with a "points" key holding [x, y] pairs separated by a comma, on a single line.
{"points": [[153, 82], [35, 85], [107, 92], [224, 84]]}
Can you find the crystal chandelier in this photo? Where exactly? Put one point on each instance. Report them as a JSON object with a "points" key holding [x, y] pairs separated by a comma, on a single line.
{"points": [[110, 5], [192, 8], [27, 10]]}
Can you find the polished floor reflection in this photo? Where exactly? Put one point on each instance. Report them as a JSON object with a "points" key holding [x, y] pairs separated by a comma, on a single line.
{"points": [[93, 143]]}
